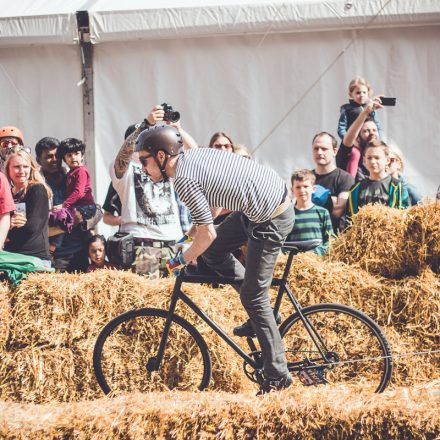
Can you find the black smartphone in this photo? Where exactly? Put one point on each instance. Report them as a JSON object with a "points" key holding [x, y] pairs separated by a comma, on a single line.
{"points": [[388, 101]]}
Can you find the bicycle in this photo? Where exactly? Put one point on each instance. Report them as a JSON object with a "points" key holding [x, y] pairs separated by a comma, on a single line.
{"points": [[153, 349]]}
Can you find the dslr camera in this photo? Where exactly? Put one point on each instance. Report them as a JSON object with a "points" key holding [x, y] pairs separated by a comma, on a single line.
{"points": [[170, 115]]}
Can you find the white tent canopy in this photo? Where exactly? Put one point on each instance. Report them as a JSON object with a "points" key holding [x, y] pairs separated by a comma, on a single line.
{"points": [[112, 20], [50, 22], [270, 73]]}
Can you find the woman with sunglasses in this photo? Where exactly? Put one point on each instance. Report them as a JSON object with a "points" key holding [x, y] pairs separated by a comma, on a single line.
{"points": [[28, 233], [221, 141]]}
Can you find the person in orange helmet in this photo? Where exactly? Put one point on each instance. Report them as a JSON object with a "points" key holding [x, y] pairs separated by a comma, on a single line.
{"points": [[10, 139]]}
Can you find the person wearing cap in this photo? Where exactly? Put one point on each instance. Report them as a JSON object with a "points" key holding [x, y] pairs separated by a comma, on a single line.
{"points": [[10, 138], [149, 211], [262, 217]]}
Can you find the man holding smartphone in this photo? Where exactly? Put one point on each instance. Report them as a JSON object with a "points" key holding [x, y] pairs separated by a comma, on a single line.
{"points": [[364, 130]]}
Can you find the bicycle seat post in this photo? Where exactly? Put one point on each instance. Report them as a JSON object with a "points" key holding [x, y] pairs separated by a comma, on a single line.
{"points": [[292, 253]]}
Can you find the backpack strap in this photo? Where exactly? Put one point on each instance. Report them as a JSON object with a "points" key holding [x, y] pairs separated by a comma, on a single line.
{"points": [[395, 193], [353, 198]]}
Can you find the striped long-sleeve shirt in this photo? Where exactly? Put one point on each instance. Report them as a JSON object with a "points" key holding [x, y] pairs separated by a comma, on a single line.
{"points": [[312, 224], [207, 178]]}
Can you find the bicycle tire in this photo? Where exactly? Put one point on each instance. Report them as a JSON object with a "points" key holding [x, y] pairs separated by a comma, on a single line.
{"points": [[125, 344], [363, 354]]}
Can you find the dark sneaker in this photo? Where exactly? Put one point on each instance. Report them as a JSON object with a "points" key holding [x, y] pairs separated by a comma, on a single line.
{"points": [[246, 329], [270, 385]]}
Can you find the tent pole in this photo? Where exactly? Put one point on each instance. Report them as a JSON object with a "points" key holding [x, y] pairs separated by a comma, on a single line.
{"points": [[86, 49]]}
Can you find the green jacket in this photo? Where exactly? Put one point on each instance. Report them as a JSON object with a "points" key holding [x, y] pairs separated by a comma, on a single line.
{"points": [[17, 266], [398, 195]]}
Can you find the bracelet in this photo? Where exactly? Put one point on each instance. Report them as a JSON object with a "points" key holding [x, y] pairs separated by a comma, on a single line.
{"points": [[145, 124]]}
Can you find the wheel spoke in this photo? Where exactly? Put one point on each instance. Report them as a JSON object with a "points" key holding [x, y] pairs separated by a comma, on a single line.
{"points": [[357, 350], [125, 348]]}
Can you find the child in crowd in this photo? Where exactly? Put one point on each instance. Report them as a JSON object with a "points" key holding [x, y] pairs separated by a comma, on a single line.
{"points": [[312, 222], [359, 91], [96, 248], [379, 187], [78, 195], [395, 168]]}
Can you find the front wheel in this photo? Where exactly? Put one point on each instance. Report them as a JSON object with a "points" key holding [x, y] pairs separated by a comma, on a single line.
{"points": [[127, 347], [355, 348]]}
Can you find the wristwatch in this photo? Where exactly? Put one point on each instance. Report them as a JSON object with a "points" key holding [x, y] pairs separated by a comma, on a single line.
{"points": [[144, 124]]}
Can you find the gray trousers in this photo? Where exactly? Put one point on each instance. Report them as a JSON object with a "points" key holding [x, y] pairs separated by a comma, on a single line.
{"points": [[264, 242]]}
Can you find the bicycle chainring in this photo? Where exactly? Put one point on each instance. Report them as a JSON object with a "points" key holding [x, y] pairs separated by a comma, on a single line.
{"points": [[312, 374]]}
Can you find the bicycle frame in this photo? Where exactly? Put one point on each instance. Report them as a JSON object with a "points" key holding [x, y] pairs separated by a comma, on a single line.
{"points": [[200, 279]]}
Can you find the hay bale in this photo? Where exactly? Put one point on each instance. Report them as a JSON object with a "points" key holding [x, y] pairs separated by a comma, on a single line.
{"points": [[5, 316], [375, 242], [416, 308], [58, 317], [41, 375], [412, 364], [390, 242], [63, 315], [59, 309], [316, 280], [423, 235], [411, 305], [307, 413]]}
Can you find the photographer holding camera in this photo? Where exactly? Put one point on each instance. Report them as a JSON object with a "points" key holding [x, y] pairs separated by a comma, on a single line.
{"points": [[149, 211]]}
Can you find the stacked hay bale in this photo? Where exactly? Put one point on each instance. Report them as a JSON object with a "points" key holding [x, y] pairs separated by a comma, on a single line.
{"points": [[403, 247], [49, 324], [390, 242], [312, 413], [56, 318], [408, 309]]}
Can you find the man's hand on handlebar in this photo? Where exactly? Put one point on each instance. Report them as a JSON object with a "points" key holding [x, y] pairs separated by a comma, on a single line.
{"points": [[176, 264]]}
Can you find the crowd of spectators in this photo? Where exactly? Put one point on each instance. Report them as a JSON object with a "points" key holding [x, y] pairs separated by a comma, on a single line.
{"points": [[47, 209]]}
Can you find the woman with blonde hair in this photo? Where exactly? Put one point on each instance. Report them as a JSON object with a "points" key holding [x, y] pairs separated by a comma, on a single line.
{"points": [[28, 232], [395, 168]]}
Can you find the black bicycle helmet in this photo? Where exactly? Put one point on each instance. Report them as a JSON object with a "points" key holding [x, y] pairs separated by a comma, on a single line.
{"points": [[160, 137]]}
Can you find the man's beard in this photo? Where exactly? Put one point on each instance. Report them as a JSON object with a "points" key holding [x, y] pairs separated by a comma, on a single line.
{"points": [[363, 143]]}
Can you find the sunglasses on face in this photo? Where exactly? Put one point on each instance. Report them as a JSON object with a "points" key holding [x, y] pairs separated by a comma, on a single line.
{"points": [[220, 146], [8, 143], [144, 159], [7, 149]]}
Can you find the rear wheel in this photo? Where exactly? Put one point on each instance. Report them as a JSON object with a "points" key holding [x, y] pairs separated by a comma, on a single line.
{"points": [[356, 349], [127, 347]]}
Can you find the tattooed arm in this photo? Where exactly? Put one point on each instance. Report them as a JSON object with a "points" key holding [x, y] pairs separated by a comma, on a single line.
{"points": [[124, 155]]}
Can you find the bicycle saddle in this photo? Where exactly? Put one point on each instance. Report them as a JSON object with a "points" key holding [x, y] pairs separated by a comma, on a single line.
{"points": [[302, 246]]}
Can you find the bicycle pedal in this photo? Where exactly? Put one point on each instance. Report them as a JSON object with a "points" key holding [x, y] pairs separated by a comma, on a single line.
{"points": [[312, 377], [244, 330]]}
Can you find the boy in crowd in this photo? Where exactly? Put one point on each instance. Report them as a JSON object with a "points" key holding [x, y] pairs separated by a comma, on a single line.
{"points": [[379, 187], [312, 222]]}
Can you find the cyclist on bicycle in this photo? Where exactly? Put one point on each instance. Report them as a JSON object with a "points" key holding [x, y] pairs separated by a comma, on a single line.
{"points": [[263, 216]]}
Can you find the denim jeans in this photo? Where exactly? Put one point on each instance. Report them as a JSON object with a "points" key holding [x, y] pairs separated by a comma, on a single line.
{"points": [[264, 242]]}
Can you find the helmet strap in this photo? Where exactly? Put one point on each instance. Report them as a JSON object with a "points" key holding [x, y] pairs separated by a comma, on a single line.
{"points": [[162, 167]]}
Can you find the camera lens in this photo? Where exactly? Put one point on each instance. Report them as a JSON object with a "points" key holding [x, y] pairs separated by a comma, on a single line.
{"points": [[174, 116]]}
